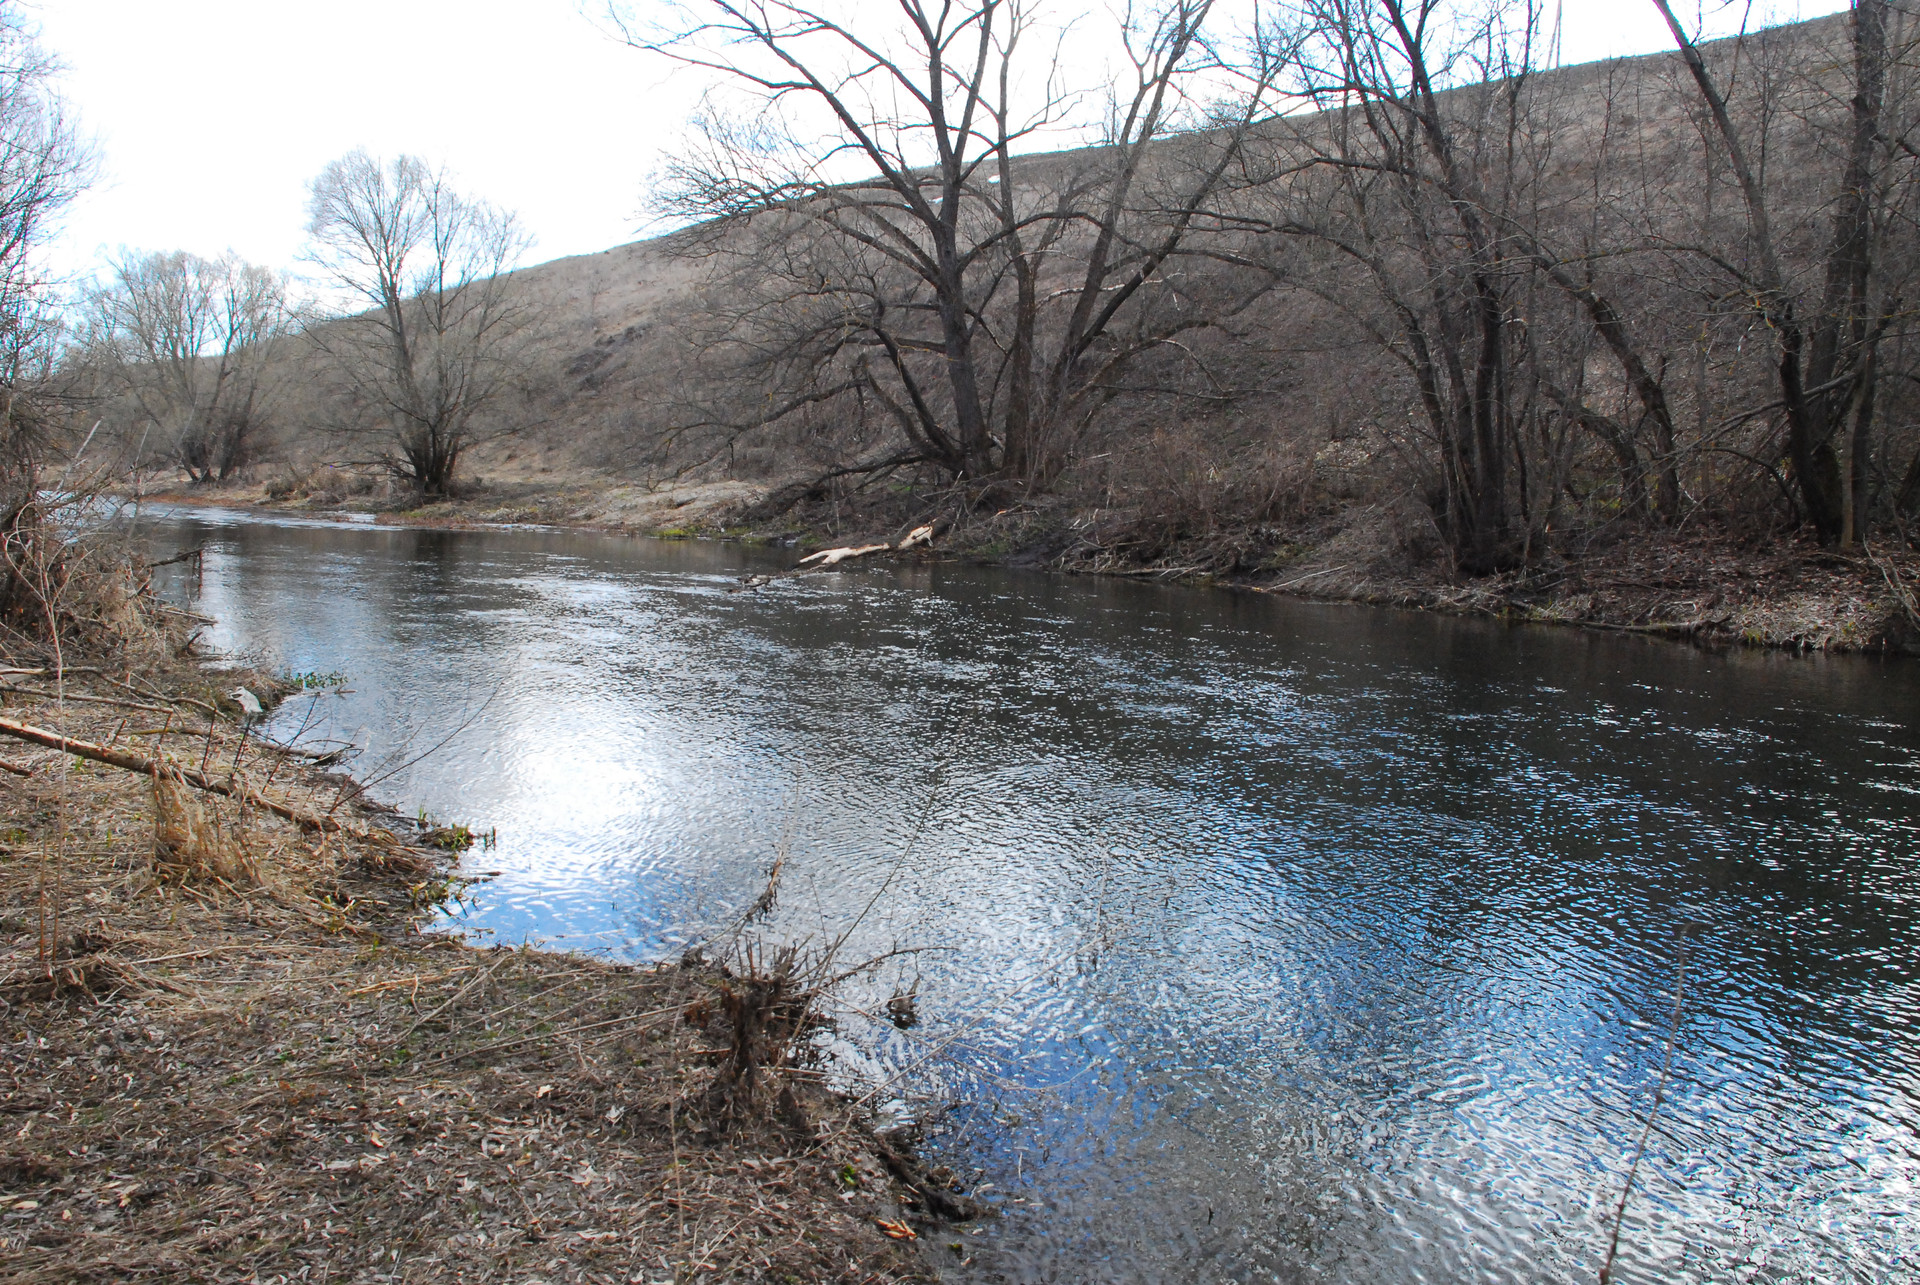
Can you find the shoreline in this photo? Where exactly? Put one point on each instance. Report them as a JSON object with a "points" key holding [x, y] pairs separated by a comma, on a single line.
{"points": [[235, 1048], [1702, 588]]}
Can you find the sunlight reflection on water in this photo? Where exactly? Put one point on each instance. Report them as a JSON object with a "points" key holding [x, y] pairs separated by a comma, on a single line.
{"points": [[1266, 940]]}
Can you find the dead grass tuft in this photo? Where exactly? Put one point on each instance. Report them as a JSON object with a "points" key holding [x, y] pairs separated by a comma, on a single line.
{"points": [[771, 1008], [192, 842]]}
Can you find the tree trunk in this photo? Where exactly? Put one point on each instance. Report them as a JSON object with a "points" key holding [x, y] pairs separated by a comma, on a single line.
{"points": [[1843, 340]]}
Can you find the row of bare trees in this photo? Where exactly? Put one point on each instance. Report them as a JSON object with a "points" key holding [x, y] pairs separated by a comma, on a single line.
{"points": [[967, 241], [419, 332], [1552, 298]]}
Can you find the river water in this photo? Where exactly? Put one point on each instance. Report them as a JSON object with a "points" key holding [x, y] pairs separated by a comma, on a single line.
{"points": [[1256, 940]]}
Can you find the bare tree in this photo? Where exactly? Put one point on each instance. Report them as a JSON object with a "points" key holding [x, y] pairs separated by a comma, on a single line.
{"points": [[1825, 313], [913, 272], [443, 329], [42, 168], [192, 345], [1426, 192]]}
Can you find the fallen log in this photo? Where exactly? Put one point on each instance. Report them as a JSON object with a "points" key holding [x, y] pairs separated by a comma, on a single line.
{"points": [[828, 557], [199, 780]]}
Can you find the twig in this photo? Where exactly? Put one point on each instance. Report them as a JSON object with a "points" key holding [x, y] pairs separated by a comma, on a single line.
{"points": [[1157, 571], [1681, 627], [1891, 574], [86, 700], [395, 983], [1311, 575], [1659, 1096], [195, 552]]}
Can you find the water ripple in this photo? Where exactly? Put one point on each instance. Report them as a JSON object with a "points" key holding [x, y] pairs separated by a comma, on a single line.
{"points": [[1267, 941]]}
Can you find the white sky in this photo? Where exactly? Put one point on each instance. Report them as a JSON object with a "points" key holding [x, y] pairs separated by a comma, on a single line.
{"points": [[210, 116]]}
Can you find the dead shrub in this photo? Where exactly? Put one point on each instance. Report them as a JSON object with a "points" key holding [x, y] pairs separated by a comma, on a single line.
{"points": [[771, 1007], [1194, 486], [289, 483]]}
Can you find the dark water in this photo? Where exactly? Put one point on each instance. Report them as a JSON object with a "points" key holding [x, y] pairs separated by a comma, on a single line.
{"points": [[1265, 940]]}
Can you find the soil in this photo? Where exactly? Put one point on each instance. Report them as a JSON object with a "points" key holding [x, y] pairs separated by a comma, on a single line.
{"points": [[242, 1055]]}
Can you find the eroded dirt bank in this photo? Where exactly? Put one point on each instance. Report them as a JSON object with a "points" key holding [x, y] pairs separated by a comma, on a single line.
{"points": [[228, 1052]]}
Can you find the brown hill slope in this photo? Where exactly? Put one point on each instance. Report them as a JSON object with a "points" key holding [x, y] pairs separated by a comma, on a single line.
{"points": [[1283, 444]]}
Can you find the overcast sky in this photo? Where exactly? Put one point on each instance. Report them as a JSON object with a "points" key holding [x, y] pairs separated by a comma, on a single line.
{"points": [[210, 116]]}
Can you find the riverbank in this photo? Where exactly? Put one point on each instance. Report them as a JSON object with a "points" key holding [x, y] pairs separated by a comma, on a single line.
{"points": [[1701, 584], [233, 1052]]}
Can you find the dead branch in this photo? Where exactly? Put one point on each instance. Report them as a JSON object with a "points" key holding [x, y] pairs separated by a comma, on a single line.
{"points": [[199, 780], [831, 557]]}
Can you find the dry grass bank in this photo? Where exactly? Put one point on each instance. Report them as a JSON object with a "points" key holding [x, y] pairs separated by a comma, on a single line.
{"points": [[228, 1053], [1706, 585]]}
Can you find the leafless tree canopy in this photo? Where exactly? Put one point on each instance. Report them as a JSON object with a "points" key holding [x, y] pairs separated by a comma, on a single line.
{"points": [[42, 168], [1541, 300], [964, 308], [434, 336], [190, 347]]}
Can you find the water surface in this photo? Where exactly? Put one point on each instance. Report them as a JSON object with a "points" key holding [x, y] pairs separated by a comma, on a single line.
{"points": [[1260, 940]]}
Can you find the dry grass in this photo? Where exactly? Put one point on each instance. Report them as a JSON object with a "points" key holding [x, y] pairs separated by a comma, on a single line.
{"points": [[228, 1054], [193, 843]]}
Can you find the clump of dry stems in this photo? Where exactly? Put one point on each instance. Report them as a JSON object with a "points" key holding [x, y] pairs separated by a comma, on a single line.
{"points": [[191, 841]]}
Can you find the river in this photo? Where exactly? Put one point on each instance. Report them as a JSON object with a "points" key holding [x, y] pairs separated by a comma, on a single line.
{"points": [[1254, 939]]}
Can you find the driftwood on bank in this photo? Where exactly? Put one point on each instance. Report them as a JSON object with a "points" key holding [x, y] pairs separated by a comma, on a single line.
{"points": [[828, 557], [920, 535], [199, 780]]}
